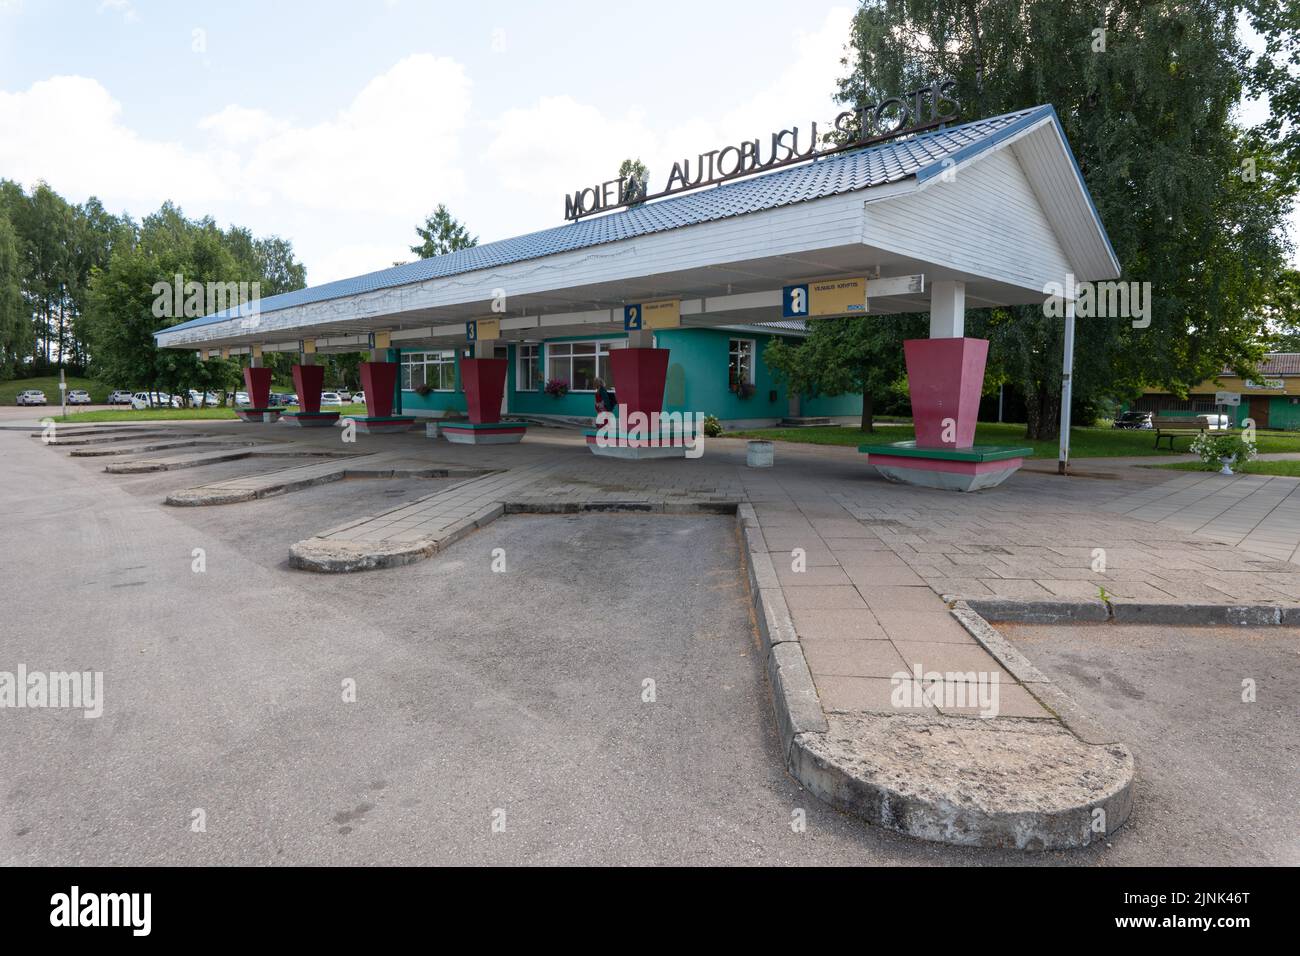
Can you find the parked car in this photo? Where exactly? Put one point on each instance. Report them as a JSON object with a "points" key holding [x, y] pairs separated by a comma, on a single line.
{"points": [[333, 399], [78, 396], [358, 398], [1215, 422], [343, 394], [119, 396], [31, 396], [1134, 420], [199, 399], [241, 398], [141, 400]]}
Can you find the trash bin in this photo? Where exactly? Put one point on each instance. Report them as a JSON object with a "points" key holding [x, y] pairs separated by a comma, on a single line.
{"points": [[430, 429], [759, 454]]}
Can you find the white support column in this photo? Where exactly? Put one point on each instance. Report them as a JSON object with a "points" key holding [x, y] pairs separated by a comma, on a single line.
{"points": [[641, 339], [254, 359], [947, 309], [1067, 388], [485, 348]]}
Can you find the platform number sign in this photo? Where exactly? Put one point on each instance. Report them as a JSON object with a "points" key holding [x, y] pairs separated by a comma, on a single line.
{"points": [[794, 301], [471, 331], [633, 321]]}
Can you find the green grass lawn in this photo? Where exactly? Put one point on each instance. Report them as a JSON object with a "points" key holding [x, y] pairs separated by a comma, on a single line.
{"points": [[170, 414], [1084, 442], [1288, 468], [49, 384]]}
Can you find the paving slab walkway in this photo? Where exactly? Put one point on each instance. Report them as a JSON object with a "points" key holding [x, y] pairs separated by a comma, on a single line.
{"points": [[1259, 513]]}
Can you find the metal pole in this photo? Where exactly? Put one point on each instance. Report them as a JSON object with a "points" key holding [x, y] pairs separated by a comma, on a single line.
{"points": [[1001, 389], [1067, 371], [63, 390]]}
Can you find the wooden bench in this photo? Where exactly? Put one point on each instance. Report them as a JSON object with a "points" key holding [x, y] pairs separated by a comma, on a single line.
{"points": [[1172, 428]]}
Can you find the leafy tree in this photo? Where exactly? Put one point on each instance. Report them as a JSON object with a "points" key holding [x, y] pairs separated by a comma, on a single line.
{"points": [[1149, 113], [850, 355], [120, 315], [442, 233], [636, 179], [15, 324]]}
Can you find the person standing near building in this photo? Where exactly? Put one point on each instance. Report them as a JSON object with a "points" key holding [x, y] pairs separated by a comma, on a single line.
{"points": [[605, 400]]}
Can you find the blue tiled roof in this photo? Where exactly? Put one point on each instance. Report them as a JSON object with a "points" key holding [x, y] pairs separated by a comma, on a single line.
{"points": [[840, 173]]}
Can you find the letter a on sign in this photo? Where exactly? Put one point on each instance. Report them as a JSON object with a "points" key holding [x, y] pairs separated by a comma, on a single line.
{"points": [[794, 302]]}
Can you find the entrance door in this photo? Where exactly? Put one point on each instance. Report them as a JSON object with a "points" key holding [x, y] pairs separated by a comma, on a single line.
{"points": [[1259, 410], [503, 352]]}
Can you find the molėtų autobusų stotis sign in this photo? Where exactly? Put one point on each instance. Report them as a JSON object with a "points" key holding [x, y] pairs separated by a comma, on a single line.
{"points": [[918, 110]]}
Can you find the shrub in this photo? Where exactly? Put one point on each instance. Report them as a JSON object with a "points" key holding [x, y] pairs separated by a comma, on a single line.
{"points": [[712, 427], [556, 387], [1213, 447]]}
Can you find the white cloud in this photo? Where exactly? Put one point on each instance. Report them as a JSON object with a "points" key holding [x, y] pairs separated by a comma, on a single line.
{"points": [[393, 151], [123, 7], [108, 159], [560, 144]]}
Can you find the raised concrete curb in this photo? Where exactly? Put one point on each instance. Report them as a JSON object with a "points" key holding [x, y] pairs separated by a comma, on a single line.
{"points": [[253, 488], [343, 556], [1133, 612], [1026, 784], [1034, 681], [1000, 782], [327, 556]]}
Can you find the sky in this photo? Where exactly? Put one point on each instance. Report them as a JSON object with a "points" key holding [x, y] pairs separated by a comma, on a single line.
{"points": [[341, 125]]}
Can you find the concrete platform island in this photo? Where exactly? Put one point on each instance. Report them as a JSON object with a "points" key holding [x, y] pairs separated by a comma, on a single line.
{"points": [[948, 469]]}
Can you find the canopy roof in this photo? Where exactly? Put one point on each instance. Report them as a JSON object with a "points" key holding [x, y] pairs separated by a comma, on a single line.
{"points": [[726, 251]]}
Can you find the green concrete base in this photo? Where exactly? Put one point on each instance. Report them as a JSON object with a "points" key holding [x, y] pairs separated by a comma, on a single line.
{"points": [[259, 414], [483, 433], [378, 425], [946, 469], [311, 419], [637, 448]]}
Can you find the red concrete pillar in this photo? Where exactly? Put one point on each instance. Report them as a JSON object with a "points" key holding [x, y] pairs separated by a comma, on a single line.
{"points": [[945, 378], [484, 382], [257, 382], [639, 376], [377, 381], [307, 382]]}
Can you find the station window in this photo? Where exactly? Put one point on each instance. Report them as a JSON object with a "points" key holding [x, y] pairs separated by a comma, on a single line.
{"points": [[528, 372], [740, 367], [435, 369], [580, 363]]}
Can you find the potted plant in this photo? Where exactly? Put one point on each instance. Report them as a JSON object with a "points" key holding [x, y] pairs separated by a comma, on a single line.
{"points": [[744, 390], [1223, 448], [423, 390], [556, 387]]}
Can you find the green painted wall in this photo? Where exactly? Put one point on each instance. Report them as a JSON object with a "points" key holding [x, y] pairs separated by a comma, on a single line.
{"points": [[697, 382]]}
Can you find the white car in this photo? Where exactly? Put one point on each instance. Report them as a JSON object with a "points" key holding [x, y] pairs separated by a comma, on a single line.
{"points": [[119, 396], [31, 396], [333, 399], [241, 398], [358, 398], [1216, 423], [78, 396], [153, 400]]}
